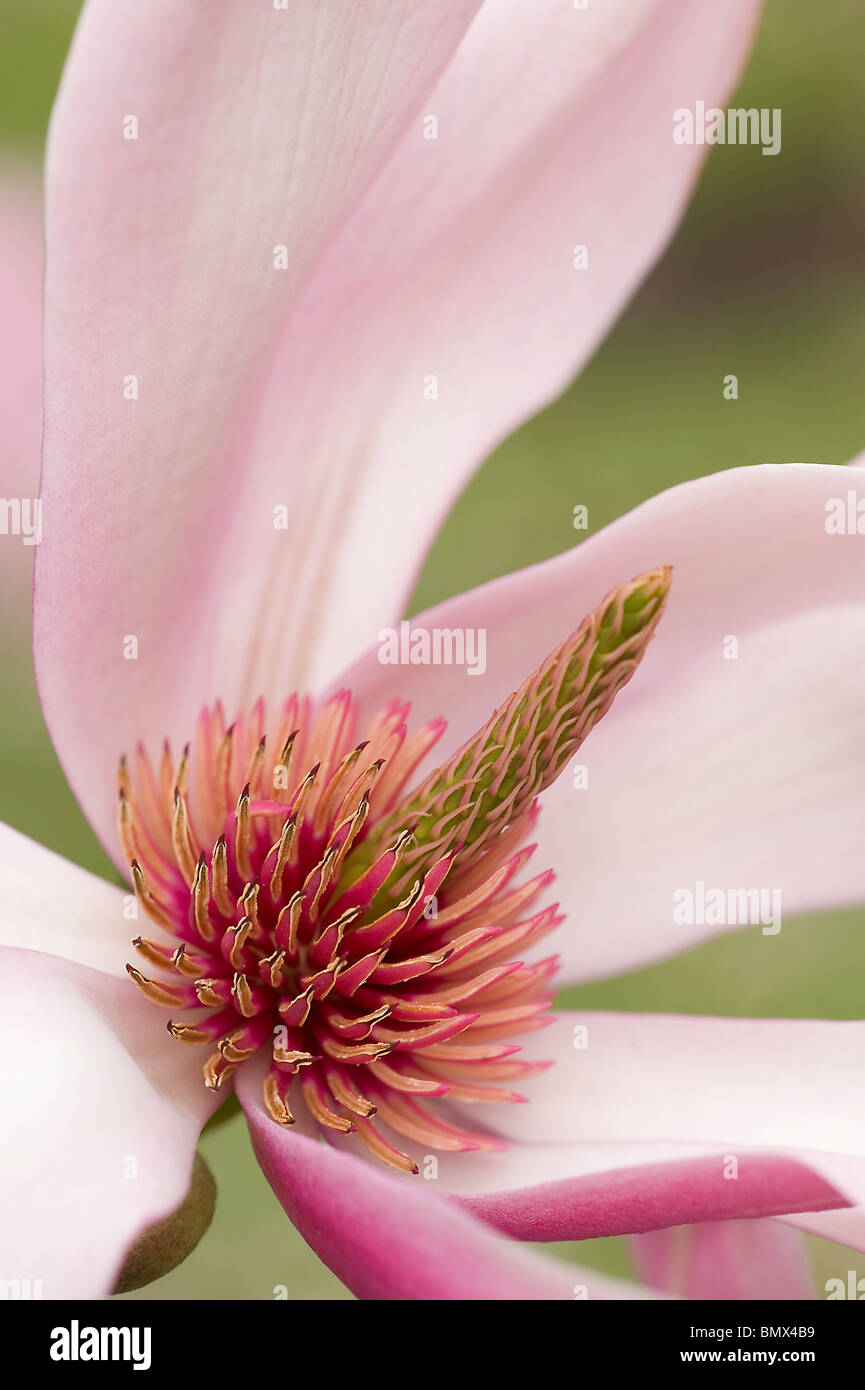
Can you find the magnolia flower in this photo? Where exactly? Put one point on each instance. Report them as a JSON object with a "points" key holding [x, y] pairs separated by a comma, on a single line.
{"points": [[281, 326]]}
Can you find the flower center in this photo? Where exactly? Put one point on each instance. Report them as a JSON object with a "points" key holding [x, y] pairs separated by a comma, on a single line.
{"points": [[374, 961], [366, 935]]}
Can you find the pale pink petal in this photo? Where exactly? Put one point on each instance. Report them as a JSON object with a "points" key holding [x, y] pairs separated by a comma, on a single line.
{"points": [[101, 1107], [736, 773], [725, 1260], [649, 1121], [389, 1237], [50, 904], [187, 145], [262, 388], [101, 1117], [456, 276]]}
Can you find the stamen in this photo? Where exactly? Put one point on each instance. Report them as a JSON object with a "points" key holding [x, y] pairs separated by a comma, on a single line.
{"points": [[275, 1091], [282, 854], [155, 911], [222, 772], [181, 840], [234, 943], [217, 1069], [190, 963], [201, 900], [160, 992], [160, 956], [273, 969], [256, 764], [221, 895], [345, 1093], [314, 1092], [287, 925], [126, 828], [182, 775], [243, 836], [377, 1145]]}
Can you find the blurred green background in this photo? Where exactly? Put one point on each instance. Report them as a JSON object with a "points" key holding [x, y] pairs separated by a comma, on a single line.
{"points": [[765, 279]]}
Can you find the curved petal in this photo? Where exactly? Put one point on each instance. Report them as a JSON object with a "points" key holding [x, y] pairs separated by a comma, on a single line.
{"points": [[449, 308], [729, 759], [730, 1260], [651, 1121], [583, 1191], [54, 906], [101, 1117], [308, 389], [392, 1238], [199, 163]]}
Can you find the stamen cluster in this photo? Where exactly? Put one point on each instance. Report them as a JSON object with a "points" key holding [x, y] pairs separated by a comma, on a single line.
{"points": [[296, 932]]}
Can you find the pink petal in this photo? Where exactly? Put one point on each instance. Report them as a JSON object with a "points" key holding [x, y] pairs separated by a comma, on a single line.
{"points": [[101, 1117], [725, 1260], [389, 1237], [735, 773], [305, 388], [583, 1191], [655, 1121]]}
